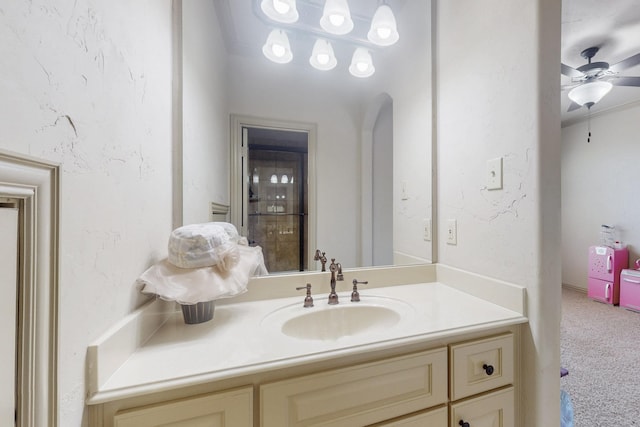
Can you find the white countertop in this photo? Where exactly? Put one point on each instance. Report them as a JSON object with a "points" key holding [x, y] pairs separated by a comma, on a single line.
{"points": [[238, 341]]}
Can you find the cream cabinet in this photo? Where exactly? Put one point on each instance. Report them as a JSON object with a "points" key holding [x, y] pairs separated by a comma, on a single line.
{"points": [[481, 374], [434, 417], [467, 383], [358, 395], [227, 409]]}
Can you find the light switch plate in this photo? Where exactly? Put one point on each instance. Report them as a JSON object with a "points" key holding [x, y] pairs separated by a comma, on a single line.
{"points": [[452, 232], [427, 230], [494, 174]]}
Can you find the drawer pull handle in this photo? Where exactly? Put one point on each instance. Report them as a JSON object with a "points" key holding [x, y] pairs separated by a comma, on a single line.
{"points": [[488, 369], [463, 423]]}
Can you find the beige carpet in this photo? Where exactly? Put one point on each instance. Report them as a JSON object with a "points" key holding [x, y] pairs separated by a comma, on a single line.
{"points": [[600, 346]]}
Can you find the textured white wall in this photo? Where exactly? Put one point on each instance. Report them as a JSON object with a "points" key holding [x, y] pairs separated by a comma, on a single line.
{"points": [[497, 68], [205, 112], [87, 83], [599, 186]]}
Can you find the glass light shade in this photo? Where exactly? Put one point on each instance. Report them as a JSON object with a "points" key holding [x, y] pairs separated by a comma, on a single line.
{"points": [[361, 63], [336, 17], [590, 92], [284, 11], [383, 30], [255, 177], [274, 179], [284, 179], [322, 57], [277, 47]]}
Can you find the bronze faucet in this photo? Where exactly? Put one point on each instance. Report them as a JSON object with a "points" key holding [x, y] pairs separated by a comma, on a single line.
{"points": [[308, 300], [355, 295], [320, 257], [334, 267]]}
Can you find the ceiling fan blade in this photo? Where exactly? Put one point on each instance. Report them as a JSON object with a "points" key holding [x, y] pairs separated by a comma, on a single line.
{"points": [[631, 61], [570, 71], [574, 106], [625, 81]]}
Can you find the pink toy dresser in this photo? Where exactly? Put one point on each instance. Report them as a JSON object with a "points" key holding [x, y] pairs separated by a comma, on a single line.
{"points": [[605, 266], [630, 289]]}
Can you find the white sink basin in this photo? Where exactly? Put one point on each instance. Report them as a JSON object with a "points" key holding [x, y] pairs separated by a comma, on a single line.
{"points": [[325, 322]]}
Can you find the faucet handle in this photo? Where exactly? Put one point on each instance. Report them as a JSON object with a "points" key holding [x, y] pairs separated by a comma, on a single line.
{"points": [[308, 300], [355, 295]]}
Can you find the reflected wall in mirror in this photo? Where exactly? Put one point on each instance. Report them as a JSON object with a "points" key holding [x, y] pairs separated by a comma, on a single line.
{"points": [[224, 73]]}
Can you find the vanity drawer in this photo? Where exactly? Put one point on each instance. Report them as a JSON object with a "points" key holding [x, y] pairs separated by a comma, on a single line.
{"points": [[358, 395], [490, 410], [230, 408], [434, 418], [481, 365]]}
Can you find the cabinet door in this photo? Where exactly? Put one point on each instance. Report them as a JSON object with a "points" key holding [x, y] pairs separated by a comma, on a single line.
{"points": [[434, 418], [603, 291], [358, 395], [491, 410], [481, 365], [227, 409]]}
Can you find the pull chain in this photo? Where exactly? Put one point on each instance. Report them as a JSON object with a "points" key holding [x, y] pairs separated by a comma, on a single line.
{"points": [[589, 126]]}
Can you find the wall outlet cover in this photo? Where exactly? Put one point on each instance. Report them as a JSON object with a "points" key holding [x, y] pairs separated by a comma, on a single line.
{"points": [[452, 232]]}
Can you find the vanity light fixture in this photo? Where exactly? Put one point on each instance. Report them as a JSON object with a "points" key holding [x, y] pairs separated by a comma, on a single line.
{"points": [[590, 93], [383, 30], [361, 63], [277, 47], [284, 11], [322, 57], [336, 17]]}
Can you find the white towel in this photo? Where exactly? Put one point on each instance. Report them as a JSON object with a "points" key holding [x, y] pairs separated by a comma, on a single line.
{"points": [[193, 285]]}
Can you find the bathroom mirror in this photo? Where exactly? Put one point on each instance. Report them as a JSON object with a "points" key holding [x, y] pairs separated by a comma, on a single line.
{"points": [[225, 75]]}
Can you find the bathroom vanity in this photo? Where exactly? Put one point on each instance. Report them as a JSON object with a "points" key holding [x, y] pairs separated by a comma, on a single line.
{"points": [[427, 345]]}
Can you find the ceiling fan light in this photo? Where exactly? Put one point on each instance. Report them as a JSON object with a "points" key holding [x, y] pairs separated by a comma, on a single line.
{"points": [[590, 92], [383, 31], [361, 63], [322, 57], [336, 17], [277, 47], [284, 11]]}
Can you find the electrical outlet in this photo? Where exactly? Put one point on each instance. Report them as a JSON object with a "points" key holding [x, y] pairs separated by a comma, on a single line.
{"points": [[427, 230], [494, 174], [452, 232]]}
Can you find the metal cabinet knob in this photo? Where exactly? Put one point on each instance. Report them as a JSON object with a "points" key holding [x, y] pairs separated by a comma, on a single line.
{"points": [[488, 369]]}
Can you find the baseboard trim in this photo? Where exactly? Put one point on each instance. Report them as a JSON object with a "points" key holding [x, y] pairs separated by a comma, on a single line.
{"points": [[574, 288]]}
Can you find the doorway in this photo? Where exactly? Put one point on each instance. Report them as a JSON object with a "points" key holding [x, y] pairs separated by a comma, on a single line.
{"points": [[273, 196], [9, 249]]}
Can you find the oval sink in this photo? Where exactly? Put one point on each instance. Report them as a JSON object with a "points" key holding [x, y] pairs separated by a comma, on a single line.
{"points": [[325, 322], [340, 321]]}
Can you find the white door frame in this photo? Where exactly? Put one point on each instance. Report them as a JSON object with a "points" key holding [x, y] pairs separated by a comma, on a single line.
{"points": [[36, 184], [239, 163]]}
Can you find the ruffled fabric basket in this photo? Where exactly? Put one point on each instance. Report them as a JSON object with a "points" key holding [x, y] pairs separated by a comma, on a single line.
{"points": [[206, 262]]}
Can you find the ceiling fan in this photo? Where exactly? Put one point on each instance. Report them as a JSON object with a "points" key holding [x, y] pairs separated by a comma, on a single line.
{"points": [[593, 80]]}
